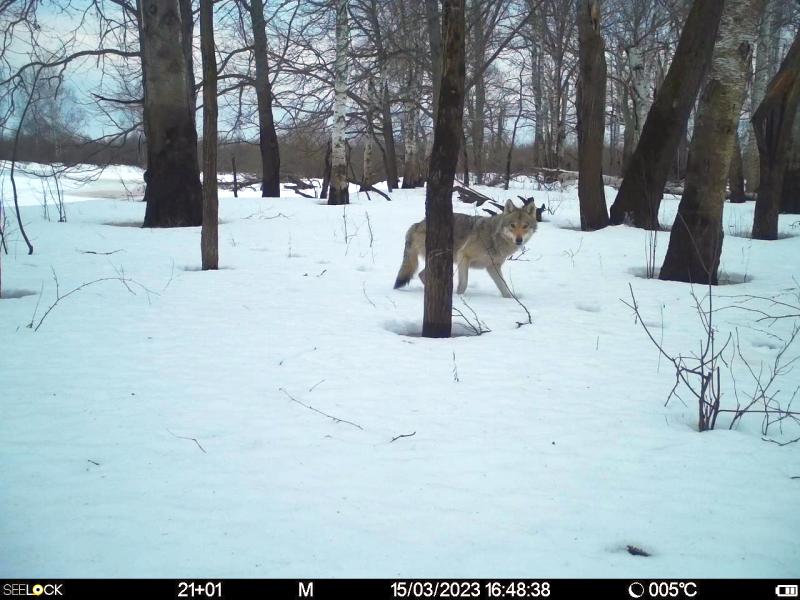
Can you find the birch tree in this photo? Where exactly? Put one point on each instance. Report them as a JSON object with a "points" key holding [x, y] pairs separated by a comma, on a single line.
{"points": [[695, 243], [338, 192]]}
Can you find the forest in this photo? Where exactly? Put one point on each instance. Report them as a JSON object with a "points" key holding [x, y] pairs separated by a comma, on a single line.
{"points": [[204, 204]]}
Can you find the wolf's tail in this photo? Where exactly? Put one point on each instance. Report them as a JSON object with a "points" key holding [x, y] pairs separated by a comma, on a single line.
{"points": [[410, 261]]}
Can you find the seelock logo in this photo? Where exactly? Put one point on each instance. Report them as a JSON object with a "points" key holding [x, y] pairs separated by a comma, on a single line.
{"points": [[33, 589]]}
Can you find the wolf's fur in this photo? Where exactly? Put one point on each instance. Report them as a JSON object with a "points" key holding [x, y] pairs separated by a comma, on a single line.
{"points": [[478, 243]]}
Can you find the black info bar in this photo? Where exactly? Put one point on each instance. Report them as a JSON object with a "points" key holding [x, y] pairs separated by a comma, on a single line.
{"points": [[391, 589]]}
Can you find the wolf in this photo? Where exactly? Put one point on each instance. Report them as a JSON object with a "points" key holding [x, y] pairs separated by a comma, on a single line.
{"points": [[478, 243]]}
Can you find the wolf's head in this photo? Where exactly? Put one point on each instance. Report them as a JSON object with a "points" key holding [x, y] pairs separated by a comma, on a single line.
{"points": [[518, 224]]}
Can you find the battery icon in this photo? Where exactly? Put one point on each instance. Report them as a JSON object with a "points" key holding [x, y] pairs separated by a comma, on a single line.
{"points": [[786, 591]]}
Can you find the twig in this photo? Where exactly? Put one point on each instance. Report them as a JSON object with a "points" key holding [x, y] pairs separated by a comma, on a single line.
{"points": [[316, 410], [183, 437], [404, 435]]}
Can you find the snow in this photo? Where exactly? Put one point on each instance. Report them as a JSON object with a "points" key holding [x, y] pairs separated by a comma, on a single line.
{"points": [[155, 428]]}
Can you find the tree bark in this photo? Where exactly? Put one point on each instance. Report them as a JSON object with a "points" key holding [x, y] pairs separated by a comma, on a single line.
{"points": [[368, 178], [338, 192], [172, 193], [591, 107], [438, 312], [765, 67], [209, 246], [773, 122], [326, 171], [411, 174], [695, 243], [478, 104], [736, 173], [790, 193], [639, 196], [267, 136]]}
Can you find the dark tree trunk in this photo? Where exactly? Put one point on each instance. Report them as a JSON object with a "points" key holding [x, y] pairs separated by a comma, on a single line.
{"points": [[465, 157], [438, 313], [235, 181], [695, 242], [773, 123], [639, 196], [173, 193], [187, 39], [736, 174], [326, 171], [790, 194], [209, 246], [267, 138], [591, 104]]}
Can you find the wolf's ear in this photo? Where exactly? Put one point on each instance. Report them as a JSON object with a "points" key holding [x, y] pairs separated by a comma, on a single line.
{"points": [[509, 206], [531, 207]]}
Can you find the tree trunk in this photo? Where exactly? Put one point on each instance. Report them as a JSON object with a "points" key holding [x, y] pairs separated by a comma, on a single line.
{"points": [[790, 194], [477, 119], [187, 44], [773, 123], [338, 193], [235, 180], [736, 173], [326, 171], [209, 246], [267, 137], [695, 243], [368, 178], [591, 107], [540, 107], [438, 313], [411, 176], [640, 194], [638, 92], [172, 193], [765, 67]]}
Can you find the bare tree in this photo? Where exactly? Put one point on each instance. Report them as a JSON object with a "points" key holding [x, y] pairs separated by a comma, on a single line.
{"points": [[773, 123], [209, 244], [268, 139], [338, 192], [173, 192], [591, 117], [639, 196], [695, 243], [438, 311]]}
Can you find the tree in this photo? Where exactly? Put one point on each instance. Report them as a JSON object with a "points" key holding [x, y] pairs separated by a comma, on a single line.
{"points": [[338, 192], [437, 319], [640, 194], [591, 106], [209, 245], [773, 122], [173, 193], [267, 138], [695, 243]]}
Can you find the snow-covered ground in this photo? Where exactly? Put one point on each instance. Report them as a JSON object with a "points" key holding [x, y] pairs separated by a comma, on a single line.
{"points": [[173, 425]]}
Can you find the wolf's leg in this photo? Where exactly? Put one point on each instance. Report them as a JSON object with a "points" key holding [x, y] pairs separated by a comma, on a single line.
{"points": [[422, 276], [463, 276], [497, 277]]}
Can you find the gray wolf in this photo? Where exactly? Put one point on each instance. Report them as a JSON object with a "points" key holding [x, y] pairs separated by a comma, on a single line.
{"points": [[478, 243]]}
